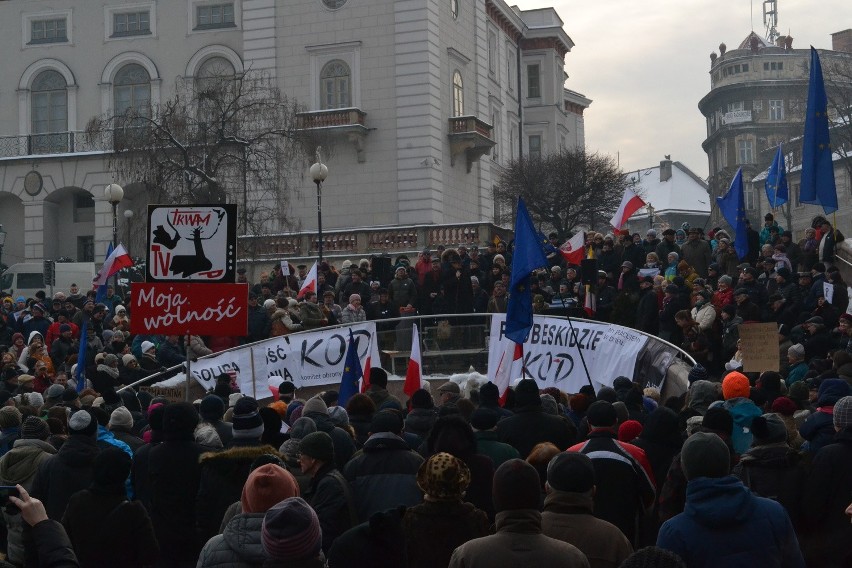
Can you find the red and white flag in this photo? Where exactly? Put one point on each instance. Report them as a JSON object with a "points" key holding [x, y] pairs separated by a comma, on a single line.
{"points": [[414, 374], [591, 303], [574, 249], [310, 283], [117, 260], [365, 368], [630, 204], [511, 366]]}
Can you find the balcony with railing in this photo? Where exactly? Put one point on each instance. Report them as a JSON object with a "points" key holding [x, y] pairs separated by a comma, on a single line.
{"points": [[469, 136], [349, 123], [348, 243], [75, 142]]}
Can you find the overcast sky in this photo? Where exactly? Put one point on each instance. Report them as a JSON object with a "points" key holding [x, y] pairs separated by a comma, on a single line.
{"points": [[645, 65]]}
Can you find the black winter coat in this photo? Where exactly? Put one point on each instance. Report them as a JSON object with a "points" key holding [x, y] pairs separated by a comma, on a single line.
{"points": [[327, 498], [344, 446], [531, 425], [65, 473]]}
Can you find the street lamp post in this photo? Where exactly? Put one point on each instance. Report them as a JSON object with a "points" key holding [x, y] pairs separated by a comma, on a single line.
{"points": [[2, 243], [128, 215], [319, 172], [114, 194]]}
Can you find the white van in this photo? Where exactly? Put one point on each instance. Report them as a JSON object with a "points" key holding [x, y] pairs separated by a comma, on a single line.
{"points": [[27, 278]]}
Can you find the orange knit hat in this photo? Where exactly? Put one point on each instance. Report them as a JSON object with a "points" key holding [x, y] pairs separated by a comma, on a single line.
{"points": [[735, 385]]}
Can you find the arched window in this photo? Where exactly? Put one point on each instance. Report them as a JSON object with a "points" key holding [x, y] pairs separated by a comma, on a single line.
{"points": [[131, 91], [212, 72], [335, 81], [458, 94], [49, 117]]}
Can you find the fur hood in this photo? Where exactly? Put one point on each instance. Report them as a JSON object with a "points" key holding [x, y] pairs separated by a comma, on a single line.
{"points": [[241, 453]]}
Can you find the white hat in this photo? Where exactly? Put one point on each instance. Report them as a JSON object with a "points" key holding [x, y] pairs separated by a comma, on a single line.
{"points": [[268, 304], [233, 398], [146, 346]]}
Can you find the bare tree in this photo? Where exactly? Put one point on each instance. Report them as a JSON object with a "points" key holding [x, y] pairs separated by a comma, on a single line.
{"points": [[563, 191], [837, 74], [221, 138]]}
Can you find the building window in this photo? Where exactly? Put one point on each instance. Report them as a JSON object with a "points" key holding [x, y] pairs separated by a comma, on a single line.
{"points": [[748, 197], [745, 152], [86, 249], [49, 118], [723, 154], [49, 31], [334, 4], [794, 190], [84, 208], [131, 23], [776, 110], [335, 85], [735, 106], [132, 92], [211, 16], [757, 105], [492, 52], [495, 126], [213, 80], [454, 8], [773, 66], [534, 144], [458, 94], [511, 69], [533, 81]]}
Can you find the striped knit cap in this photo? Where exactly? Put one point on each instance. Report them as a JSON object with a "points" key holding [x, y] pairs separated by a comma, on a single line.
{"points": [[291, 531]]}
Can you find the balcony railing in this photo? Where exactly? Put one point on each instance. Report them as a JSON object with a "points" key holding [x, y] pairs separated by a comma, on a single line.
{"points": [[348, 122], [470, 136], [72, 142]]}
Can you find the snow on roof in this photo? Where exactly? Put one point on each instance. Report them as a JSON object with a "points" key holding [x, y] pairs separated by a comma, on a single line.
{"points": [[684, 192]]}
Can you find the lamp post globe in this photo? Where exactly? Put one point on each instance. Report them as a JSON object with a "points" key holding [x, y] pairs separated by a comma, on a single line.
{"points": [[319, 172], [114, 193]]}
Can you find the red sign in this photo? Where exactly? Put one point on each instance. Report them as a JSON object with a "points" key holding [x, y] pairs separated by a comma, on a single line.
{"points": [[180, 308]]}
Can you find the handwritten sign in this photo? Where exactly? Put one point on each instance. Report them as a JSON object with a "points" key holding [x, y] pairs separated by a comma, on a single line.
{"points": [[199, 309], [172, 394], [759, 346]]}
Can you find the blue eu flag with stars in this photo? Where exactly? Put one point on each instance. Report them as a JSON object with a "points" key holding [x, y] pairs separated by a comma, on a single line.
{"points": [[776, 181], [527, 257], [351, 372], [732, 208], [817, 183]]}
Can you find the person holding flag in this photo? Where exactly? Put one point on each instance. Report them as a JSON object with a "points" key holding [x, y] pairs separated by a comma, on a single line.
{"points": [[352, 372], [732, 208]]}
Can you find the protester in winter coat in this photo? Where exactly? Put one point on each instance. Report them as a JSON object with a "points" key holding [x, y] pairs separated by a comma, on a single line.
{"points": [[103, 526], [382, 475], [484, 424], [239, 545], [291, 535], [51, 543], [530, 425], [442, 515], [19, 467], [519, 540], [818, 429], [724, 523], [344, 445], [568, 512]]}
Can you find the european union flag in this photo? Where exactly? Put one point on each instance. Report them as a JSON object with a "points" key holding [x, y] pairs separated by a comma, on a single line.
{"points": [[776, 181], [527, 257], [817, 183], [732, 208], [545, 243], [351, 372]]}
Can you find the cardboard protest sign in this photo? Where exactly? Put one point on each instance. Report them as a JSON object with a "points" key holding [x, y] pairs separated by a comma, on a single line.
{"points": [[759, 346]]}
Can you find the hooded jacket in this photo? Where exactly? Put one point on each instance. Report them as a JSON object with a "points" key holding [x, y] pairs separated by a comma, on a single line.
{"points": [[743, 411], [62, 475], [238, 546], [725, 524]]}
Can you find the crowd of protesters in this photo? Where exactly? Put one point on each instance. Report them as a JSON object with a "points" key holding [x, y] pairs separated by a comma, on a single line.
{"points": [[742, 469]]}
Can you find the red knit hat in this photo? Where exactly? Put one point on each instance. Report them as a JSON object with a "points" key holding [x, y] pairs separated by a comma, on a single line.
{"points": [[784, 406], [735, 385], [629, 430], [266, 486]]}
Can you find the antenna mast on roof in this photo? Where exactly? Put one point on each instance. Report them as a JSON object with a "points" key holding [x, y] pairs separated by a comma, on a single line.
{"points": [[770, 20]]}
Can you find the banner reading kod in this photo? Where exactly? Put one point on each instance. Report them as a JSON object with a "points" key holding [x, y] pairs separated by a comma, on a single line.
{"points": [[305, 359], [552, 352]]}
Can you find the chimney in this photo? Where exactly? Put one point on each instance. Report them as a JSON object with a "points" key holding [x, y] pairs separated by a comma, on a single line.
{"points": [[842, 41], [666, 169]]}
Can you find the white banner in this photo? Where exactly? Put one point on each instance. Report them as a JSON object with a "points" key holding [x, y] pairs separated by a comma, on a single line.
{"points": [[305, 359], [552, 352]]}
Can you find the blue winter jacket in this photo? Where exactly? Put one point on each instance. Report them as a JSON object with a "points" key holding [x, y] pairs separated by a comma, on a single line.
{"points": [[725, 524]]}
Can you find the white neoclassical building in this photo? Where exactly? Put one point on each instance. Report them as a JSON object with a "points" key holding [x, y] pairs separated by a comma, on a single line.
{"points": [[424, 101]]}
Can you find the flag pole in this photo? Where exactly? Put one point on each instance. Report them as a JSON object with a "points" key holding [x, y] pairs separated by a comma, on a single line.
{"points": [[579, 350]]}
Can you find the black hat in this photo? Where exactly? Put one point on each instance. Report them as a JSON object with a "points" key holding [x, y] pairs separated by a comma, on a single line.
{"points": [[601, 414], [484, 419], [318, 445], [489, 392], [386, 421], [571, 471], [740, 292], [179, 418], [212, 407], [526, 393], [784, 273], [247, 416], [671, 289], [669, 232], [717, 419], [111, 468], [705, 455]]}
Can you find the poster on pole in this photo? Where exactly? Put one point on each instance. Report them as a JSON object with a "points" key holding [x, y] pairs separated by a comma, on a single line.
{"points": [[173, 308], [195, 243], [552, 352], [759, 346]]}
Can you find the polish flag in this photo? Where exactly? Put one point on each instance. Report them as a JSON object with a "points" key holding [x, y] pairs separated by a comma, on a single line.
{"points": [[365, 368], [591, 304], [630, 204], [117, 260], [413, 375], [574, 249], [310, 284], [511, 366]]}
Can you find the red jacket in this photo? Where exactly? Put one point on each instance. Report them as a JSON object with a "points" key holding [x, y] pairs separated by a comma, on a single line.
{"points": [[53, 333]]}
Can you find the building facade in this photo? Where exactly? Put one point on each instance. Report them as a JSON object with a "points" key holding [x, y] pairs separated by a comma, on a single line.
{"points": [[421, 103], [757, 100]]}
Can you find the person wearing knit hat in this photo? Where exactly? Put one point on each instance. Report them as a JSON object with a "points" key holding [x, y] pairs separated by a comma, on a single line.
{"points": [[516, 490], [327, 493], [736, 390], [10, 427], [724, 523], [34, 428], [484, 423], [568, 511], [122, 537], [797, 367], [629, 430], [443, 514], [54, 393], [121, 426], [786, 409], [842, 415], [628, 486], [818, 429], [344, 446], [697, 373], [239, 543], [735, 385], [247, 423], [291, 531]]}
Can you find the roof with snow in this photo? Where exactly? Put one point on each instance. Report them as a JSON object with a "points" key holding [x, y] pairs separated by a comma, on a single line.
{"points": [[683, 192], [746, 43]]}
